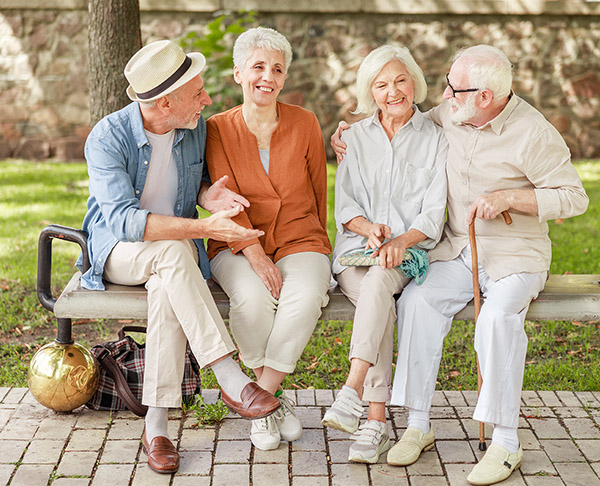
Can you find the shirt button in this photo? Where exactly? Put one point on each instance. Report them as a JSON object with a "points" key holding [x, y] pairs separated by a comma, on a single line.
{"points": [[137, 191], [464, 183], [145, 162], [467, 158]]}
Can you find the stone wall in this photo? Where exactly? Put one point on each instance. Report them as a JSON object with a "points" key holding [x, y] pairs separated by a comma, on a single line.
{"points": [[554, 44]]}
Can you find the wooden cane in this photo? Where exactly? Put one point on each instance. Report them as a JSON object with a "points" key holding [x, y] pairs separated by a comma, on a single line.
{"points": [[477, 302]]}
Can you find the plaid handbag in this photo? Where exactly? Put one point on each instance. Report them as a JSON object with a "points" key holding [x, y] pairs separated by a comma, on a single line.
{"points": [[121, 377]]}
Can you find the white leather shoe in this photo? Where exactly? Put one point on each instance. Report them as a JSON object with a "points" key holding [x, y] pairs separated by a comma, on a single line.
{"points": [[264, 434], [345, 412], [288, 424], [410, 446], [497, 465]]}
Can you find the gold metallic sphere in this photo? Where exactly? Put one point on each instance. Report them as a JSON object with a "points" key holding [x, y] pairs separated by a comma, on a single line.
{"points": [[63, 376]]}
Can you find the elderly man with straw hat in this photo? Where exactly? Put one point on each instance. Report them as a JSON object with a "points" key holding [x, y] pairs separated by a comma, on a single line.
{"points": [[503, 156], [147, 174]]}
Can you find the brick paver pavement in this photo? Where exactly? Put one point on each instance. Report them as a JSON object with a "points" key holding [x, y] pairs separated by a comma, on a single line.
{"points": [[559, 431]]}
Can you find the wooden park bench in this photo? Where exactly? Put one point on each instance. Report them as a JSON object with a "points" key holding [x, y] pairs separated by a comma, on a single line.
{"points": [[565, 297]]}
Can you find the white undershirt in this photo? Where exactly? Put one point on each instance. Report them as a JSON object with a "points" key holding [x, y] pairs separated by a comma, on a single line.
{"points": [[160, 191]]}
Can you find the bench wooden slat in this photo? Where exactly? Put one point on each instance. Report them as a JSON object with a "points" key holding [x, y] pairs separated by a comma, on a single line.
{"points": [[566, 297]]}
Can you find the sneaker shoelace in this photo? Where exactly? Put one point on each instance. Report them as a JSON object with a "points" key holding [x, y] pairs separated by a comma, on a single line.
{"points": [[264, 424], [286, 409]]}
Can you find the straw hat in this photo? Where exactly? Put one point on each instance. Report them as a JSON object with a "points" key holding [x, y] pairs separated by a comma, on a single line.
{"points": [[159, 68]]}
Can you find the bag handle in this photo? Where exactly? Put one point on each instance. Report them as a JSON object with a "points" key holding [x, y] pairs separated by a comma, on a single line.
{"points": [[125, 329], [110, 365]]}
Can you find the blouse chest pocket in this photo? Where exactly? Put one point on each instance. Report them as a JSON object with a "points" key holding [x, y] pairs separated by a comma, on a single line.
{"points": [[415, 183]]}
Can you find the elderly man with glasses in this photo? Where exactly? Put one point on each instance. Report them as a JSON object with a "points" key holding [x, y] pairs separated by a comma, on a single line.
{"points": [[503, 156]]}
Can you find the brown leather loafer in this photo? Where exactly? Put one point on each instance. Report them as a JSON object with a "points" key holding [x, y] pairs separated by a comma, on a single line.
{"points": [[256, 403], [162, 455]]}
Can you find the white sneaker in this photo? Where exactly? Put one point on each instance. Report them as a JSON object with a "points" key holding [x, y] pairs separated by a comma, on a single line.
{"points": [[264, 434], [371, 440], [345, 412], [288, 424]]}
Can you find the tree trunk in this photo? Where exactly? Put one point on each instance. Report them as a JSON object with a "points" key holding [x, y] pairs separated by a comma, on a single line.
{"points": [[114, 36]]}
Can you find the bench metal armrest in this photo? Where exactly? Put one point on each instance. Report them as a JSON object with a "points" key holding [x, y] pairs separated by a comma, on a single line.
{"points": [[44, 272]]}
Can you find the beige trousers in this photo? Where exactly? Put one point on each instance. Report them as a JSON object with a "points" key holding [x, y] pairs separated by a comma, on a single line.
{"points": [[271, 332], [371, 290], [180, 309]]}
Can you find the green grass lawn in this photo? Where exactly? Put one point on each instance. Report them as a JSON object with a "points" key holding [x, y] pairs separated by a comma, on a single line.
{"points": [[562, 355]]}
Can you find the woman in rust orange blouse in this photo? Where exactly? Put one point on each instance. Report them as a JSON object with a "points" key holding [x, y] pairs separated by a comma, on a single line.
{"points": [[273, 154]]}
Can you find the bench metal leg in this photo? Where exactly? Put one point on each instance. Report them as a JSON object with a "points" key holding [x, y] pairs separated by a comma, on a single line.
{"points": [[64, 334]]}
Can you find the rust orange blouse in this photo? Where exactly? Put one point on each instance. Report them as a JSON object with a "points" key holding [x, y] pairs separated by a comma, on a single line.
{"points": [[290, 203]]}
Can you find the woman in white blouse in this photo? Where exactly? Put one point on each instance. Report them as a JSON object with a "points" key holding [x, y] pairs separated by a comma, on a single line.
{"points": [[390, 195]]}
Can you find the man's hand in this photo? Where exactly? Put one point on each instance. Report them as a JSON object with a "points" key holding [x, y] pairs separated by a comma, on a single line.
{"points": [[337, 145], [488, 206], [219, 226], [268, 272], [218, 198], [491, 205], [377, 235]]}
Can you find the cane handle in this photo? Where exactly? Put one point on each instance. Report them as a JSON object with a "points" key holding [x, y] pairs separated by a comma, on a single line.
{"points": [[507, 218]]}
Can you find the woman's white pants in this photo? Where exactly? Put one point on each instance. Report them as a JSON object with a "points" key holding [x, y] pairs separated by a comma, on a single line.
{"points": [[271, 332]]}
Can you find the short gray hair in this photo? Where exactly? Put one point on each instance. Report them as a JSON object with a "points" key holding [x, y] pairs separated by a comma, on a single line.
{"points": [[260, 38], [371, 67], [147, 104], [487, 68]]}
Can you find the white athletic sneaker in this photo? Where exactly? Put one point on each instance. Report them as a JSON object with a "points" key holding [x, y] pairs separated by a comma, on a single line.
{"points": [[288, 424], [264, 434], [345, 412], [371, 440]]}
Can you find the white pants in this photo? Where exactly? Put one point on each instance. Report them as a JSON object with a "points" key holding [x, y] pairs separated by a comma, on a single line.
{"points": [[271, 332], [425, 315], [372, 290], [180, 309]]}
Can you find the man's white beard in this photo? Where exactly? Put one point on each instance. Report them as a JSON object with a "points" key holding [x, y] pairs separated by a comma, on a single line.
{"points": [[464, 112]]}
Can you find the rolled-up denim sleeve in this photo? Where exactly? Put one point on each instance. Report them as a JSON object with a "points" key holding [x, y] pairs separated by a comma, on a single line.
{"points": [[112, 187]]}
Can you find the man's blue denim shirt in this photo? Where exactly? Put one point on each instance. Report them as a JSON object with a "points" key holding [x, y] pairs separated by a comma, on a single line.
{"points": [[118, 156]]}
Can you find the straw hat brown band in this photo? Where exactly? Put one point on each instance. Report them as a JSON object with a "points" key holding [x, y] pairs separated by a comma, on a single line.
{"points": [[160, 68], [167, 83]]}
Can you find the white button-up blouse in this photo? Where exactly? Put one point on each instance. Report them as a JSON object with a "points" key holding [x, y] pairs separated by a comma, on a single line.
{"points": [[399, 182]]}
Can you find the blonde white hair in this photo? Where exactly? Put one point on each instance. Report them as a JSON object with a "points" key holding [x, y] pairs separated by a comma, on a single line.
{"points": [[372, 66], [260, 38], [487, 67]]}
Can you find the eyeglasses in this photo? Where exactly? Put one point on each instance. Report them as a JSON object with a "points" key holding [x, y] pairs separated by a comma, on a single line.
{"points": [[454, 91]]}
